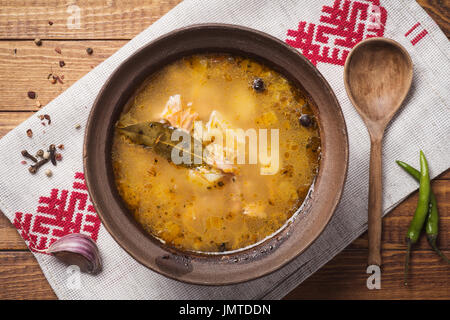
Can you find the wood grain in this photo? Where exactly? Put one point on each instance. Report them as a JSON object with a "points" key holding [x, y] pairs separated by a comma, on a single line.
{"points": [[28, 66], [439, 10], [99, 19], [345, 277], [9, 237], [10, 120], [375, 207], [22, 278]]}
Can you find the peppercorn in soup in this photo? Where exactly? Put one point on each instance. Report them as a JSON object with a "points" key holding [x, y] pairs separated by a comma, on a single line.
{"points": [[220, 202]]}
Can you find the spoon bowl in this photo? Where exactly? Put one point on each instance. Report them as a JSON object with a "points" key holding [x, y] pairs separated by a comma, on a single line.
{"points": [[377, 76]]}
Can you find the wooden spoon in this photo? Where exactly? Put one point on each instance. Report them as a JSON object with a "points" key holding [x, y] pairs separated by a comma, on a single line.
{"points": [[377, 76]]}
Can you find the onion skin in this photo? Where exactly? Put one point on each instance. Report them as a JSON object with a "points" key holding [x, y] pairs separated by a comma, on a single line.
{"points": [[77, 249]]}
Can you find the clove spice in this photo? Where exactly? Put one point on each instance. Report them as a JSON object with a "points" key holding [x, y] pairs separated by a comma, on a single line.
{"points": [[29, 156], [52, 150], [34, 168], [44, 156]]}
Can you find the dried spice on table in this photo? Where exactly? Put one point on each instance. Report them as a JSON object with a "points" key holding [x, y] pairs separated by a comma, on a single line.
{"points": [[29, 156], [44, 156], [35, 167]]}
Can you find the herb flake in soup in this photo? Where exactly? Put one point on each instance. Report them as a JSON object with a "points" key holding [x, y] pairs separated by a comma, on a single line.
{"points": [[219, 205]]}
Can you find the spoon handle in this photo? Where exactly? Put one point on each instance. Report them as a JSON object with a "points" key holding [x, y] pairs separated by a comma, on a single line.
{"points": [[375, 202]]}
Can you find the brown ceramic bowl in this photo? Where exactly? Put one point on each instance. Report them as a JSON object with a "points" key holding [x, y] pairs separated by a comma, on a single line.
{"points": [[246, 264]]}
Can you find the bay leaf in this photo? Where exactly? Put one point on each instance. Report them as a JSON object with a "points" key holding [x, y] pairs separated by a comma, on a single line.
{"points": [[158, 137]]}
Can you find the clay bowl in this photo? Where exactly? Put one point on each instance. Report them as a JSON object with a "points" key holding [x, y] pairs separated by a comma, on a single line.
{"points": [[246, 264]]}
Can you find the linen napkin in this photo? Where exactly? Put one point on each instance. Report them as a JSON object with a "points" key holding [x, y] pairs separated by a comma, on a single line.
{"points": [[43, 209]]}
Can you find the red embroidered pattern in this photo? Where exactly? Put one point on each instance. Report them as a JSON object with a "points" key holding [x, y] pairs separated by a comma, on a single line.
{"points": [[61, 213], [419, 36], [412, 29], [342, 26]]}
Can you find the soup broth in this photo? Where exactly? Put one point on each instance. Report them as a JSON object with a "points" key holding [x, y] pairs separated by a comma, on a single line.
{"points": [[221, 205]]}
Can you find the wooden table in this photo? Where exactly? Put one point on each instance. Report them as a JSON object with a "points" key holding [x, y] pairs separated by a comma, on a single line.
{"points": [[106, 26]]}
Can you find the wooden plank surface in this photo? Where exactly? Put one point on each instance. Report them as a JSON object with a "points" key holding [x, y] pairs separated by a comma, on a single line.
{"points": [[106, 26], [32, 65], [99, 19], [113, 19], [439, 10], [22, 278], [345, 277]]}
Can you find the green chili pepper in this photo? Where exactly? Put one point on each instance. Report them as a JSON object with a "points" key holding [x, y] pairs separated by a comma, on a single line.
{"points": [[421, 211], [432, 222]]}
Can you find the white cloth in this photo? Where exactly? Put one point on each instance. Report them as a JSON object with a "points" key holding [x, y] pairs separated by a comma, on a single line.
{"points": [[423, 123]]}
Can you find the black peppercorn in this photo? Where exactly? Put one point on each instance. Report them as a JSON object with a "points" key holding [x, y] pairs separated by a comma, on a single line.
{"points": [[305, 120], [222, 247], [258, 85]]}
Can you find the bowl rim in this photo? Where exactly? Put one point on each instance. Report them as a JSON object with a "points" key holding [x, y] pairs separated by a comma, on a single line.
{"points": [[122, 241]]}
